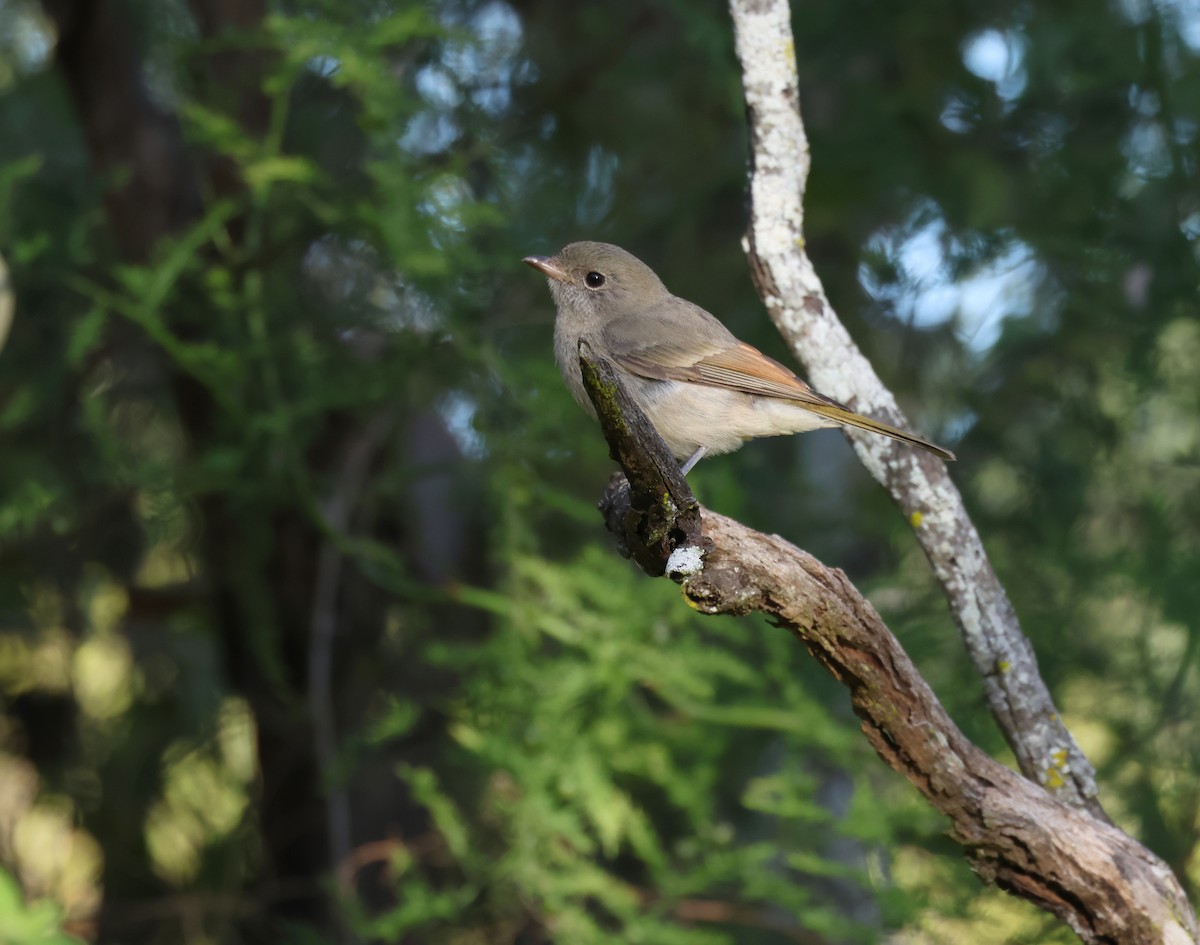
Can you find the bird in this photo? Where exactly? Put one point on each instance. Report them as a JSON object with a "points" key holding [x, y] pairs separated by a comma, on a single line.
{"points": [[704, 391]]}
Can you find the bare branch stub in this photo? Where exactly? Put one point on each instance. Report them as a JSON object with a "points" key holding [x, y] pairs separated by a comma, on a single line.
{"points": [[650, 508]]}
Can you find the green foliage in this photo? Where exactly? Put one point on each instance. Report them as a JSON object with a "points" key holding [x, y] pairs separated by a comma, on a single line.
{"points": [[36, 923], [307, 619], [613, 735]]}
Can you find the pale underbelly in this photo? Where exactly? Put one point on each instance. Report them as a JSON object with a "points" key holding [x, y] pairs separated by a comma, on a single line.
{"points": [[690, 416]]}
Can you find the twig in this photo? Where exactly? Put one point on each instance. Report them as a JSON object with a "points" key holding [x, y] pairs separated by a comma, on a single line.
{"points": [[323, 628], [8, 303], [920, 483], [1104, 884]]}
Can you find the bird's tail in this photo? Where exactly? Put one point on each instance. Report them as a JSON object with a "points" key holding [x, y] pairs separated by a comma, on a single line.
{"points": [[851, 419]]}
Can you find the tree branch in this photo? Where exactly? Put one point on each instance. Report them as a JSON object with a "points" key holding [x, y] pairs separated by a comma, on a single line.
{"points": [[352, 469], [8, 303], [1104, 884], [648, 531], [920, 483]]}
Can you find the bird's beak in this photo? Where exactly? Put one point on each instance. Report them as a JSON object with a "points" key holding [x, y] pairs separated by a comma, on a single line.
{"points": [[546, 265]]}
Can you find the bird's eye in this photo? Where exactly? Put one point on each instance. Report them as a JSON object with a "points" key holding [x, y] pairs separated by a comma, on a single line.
{"points": [[594, 280]]}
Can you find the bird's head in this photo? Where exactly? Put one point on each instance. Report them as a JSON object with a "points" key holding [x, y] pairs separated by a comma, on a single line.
{"points": [[599, 280]]}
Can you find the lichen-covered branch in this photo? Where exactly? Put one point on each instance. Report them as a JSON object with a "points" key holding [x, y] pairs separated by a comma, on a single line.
{"points": [[919, 482], [1104, 884]]}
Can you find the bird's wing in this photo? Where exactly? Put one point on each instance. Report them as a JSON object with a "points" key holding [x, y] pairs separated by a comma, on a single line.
{"points": [[701, 350], [692, 350]]}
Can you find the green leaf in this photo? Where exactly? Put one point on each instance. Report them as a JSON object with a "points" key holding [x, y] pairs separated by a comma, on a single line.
{"points": [[35, 923], [260, 174]]}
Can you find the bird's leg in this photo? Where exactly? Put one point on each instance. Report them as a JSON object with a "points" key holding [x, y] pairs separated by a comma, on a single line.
{"points": [[692, 460]]}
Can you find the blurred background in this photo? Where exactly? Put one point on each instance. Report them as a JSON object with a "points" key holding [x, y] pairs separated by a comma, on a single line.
{"points": [[309, 629]]}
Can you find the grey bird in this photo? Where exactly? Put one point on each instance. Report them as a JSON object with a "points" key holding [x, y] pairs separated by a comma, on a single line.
{"points": [[704, 391]]}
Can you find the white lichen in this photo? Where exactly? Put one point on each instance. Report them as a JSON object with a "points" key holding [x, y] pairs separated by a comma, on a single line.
{"points": [[684, 562]]}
